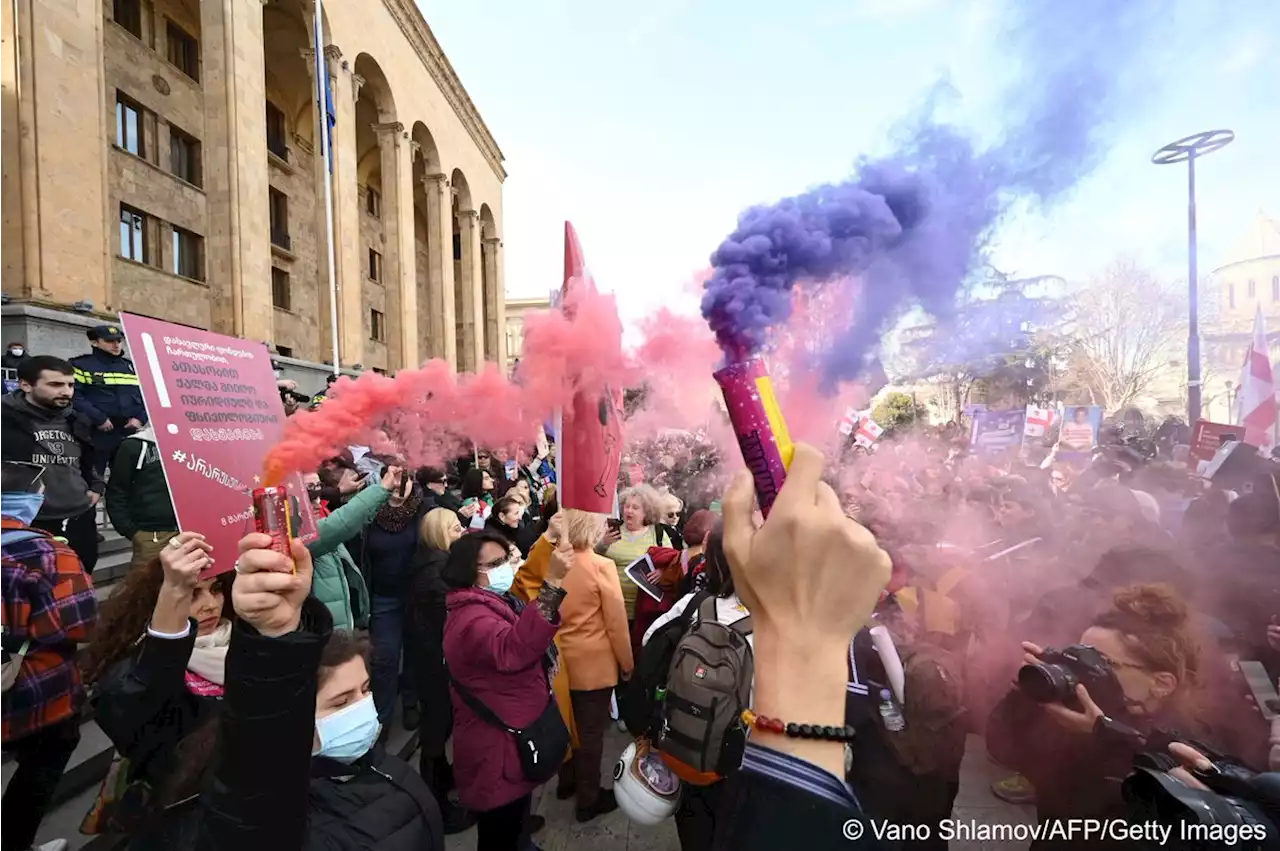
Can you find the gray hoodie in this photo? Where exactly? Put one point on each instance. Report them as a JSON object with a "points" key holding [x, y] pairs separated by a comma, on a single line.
{"points": [[61, 440]]}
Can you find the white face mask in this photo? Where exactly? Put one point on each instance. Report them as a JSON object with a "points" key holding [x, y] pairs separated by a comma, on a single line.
{"points": [[17, 351]]}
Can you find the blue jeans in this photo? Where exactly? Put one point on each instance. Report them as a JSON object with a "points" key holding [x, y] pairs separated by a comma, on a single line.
{"points": [[386, 632]]}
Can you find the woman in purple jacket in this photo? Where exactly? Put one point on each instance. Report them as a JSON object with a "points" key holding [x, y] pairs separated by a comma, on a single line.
{"points": [[500, 652]]}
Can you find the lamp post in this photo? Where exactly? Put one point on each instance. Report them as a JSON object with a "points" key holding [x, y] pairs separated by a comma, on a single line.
{"points": [[1231, 399], [1187, 150]]}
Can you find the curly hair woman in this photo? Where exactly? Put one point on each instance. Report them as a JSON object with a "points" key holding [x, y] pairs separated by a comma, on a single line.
{"points": [[1151, 664], [158, 665]]}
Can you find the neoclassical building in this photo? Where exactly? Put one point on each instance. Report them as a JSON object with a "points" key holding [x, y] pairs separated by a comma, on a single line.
{"points": [[1250, 279], [162, 157]]}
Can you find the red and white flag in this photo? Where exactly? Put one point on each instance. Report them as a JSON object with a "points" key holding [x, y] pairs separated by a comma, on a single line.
{"points": [[1038, 421], [1256, 404], [849, 421], [869, 432]]}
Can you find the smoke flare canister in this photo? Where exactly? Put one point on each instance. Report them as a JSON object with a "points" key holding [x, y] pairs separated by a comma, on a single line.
{"points": [[271, 516], [757, 422]]}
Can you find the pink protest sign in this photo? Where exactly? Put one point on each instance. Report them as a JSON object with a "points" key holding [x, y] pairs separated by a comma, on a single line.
{"points": [[213, 404]]}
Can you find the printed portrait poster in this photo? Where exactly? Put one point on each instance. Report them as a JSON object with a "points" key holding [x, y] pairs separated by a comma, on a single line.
{"points": [[1079, 432], [996, 431], [213, 405]]}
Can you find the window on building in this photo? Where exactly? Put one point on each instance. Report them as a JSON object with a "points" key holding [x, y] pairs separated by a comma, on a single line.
{"points": [[188, 254], [375, 265], [280, 288], [279, 219], [1231, 295], [184, 156], [373, 203], [133, 234], [128, 14], [1275, 287], [1251, 288], [284, 351], [277, 136], [129, 126], [377, 326], [184, 50]]}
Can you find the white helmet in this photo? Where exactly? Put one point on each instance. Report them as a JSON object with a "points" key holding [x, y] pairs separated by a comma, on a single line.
{"points": [[646, 790]]}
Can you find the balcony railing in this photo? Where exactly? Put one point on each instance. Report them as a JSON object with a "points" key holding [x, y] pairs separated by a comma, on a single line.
{"points": [[281, 240]]}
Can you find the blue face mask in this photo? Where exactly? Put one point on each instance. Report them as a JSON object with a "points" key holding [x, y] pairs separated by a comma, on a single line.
{"points": [[347, 734], [501, 578], [21, 506]]}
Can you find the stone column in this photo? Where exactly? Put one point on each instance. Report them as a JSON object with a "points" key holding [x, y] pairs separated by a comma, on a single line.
{"points": [[333, 57], [238, 248], [441, 315], [346, 219], [471, 344], [410, 355], [60, 234], [494, 320], [390, 150]]}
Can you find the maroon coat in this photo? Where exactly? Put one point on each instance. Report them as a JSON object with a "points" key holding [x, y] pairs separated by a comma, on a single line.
{"points": [[497, 656]]}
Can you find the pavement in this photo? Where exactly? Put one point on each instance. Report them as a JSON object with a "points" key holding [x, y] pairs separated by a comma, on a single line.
{"points": [[975, 804]]}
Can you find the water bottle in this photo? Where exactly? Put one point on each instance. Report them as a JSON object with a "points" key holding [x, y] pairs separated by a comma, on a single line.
{"points": [[890, 713]]}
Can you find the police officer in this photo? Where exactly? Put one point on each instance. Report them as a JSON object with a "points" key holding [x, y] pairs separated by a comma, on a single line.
{"points": [[108, 393]]}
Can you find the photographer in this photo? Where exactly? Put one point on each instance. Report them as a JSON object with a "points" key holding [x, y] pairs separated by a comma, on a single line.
{"points": [[1135, 664]]}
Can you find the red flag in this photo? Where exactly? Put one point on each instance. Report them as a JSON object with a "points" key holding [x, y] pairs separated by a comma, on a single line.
{"points": [[590, 447], [1256, 409]]}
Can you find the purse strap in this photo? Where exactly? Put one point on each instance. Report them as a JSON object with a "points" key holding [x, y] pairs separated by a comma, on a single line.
{"points": [[486, 714]]}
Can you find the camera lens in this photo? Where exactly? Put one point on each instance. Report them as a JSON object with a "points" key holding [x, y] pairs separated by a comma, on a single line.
{"points": [[1046, 683]]}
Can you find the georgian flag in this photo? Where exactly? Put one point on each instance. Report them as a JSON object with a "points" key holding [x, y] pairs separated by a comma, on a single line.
{"points": [[849, 421], [869, 432], [1256, 404], [1038, 421]]}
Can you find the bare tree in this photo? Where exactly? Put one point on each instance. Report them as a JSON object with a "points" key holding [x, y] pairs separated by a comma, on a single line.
{"points": [[1123, 332]]}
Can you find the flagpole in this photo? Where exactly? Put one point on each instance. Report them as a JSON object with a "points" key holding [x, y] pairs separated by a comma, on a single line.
{"points": [[322, 113]]}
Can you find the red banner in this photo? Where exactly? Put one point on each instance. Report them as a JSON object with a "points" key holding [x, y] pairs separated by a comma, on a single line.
{"points": [[590, 448], [1206, 439], [213, 404]]}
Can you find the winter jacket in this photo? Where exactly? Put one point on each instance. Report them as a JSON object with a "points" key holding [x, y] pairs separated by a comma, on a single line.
{"points": [[425, 630], [336, 581], [138, 494], [48, 605], [387, 557], [497, 656], [143, 705], [269, 792], [61, 440], [593, 624], [107, 388]]}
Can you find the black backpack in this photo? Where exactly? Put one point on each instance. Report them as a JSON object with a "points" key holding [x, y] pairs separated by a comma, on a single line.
{"points": [[642, 710]]}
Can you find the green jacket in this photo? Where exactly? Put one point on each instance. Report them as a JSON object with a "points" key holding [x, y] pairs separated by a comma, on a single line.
{"points": [[336, 581], [137, 496]]}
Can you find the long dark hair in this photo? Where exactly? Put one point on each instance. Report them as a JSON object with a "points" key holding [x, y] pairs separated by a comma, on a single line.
{"points": [[124, 615], [473, 483], [719, 576]]}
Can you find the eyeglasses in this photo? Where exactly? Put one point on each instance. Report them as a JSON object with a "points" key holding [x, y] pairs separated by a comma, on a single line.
{"points": [[498, 562]]}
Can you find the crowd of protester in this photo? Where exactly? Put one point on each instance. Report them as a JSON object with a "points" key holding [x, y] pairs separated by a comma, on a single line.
{"points": [[779, 677]]}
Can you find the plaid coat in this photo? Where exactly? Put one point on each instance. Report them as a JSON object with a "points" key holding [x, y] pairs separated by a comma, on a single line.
{"points": [[48, 599]]}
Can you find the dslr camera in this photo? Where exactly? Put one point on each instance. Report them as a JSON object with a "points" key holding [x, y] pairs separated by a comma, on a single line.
{"points": [[1053, 679], [1237, 810]]}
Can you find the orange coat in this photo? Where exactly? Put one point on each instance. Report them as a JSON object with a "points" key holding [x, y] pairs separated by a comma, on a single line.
{"points": [[528, 580], [594, 636]]}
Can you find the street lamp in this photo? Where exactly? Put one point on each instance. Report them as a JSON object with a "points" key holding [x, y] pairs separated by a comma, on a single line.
{"points": [[1187, 150]]}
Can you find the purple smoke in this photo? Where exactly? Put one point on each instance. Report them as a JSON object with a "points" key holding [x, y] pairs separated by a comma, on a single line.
{"points": [[912, 225]]}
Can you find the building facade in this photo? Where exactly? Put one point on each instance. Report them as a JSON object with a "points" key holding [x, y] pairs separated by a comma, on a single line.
{"points": [[515, 313], [1249, 280], [161, 157]]}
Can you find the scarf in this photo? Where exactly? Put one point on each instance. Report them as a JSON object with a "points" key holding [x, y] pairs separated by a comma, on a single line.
{"points": [[209, 657], [394, 518]]}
